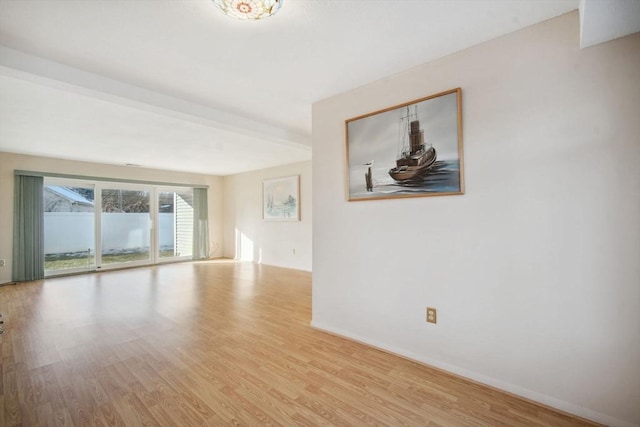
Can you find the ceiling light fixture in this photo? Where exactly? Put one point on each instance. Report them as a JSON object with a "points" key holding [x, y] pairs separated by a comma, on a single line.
{"points": [[249, 9]]}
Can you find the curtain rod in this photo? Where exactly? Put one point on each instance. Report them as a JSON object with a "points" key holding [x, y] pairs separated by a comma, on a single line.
{"points": [[97, 178]]}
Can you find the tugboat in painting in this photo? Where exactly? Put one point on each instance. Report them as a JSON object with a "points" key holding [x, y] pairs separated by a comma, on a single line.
{"points": [[415, 159]]}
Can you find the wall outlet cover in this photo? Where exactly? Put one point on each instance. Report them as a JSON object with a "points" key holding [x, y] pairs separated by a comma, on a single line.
{"points": [[432, 315]]}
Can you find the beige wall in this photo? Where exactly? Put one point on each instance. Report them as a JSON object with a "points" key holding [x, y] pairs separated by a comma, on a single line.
{"points": [[249, 238], [10, 162], [535, 270]]}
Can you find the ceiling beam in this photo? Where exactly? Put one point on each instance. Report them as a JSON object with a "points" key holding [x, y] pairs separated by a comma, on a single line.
{"points": [[16, 64]]}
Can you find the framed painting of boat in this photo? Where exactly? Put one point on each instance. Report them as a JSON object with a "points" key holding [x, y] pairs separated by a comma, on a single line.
{"points": [[408, 150], [281, 199]]}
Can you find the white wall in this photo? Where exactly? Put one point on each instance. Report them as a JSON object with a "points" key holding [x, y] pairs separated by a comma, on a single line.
{"points": [[535, 271], [10, 162], [250, 238]]}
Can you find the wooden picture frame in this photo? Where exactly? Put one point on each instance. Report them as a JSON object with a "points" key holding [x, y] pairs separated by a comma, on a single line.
{"points": [[409, 150], [281, 199]]}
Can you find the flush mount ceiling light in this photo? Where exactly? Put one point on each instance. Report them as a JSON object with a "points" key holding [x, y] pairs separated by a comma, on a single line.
{"points": [[249, 9]]}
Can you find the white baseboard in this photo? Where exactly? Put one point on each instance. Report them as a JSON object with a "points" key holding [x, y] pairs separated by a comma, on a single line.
{"points": [[533, 396]]}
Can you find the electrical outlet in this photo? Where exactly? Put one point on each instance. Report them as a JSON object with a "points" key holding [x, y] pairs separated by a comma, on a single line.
{"points": [[2, 263], [432, 315]]}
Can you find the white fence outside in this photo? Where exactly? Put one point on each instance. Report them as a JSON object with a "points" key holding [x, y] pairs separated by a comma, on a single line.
{"points": [[67, 232]]}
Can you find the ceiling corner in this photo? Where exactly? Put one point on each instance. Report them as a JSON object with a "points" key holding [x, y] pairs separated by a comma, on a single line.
{"points": [[604, 20]]}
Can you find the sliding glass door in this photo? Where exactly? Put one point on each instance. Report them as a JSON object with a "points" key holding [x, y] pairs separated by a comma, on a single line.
{"points": [[175, 224], [125, 226], [69, 226], [99, 225]]}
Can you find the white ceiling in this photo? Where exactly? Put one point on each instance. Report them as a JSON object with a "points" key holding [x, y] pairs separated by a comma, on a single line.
{"points": [[174, 84]]}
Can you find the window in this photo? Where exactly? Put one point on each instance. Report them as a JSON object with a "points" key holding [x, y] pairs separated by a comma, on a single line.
{"points": [[100, 225], [175, 220], [69, 227]]}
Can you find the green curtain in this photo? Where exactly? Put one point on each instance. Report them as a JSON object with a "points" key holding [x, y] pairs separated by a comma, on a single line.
{"points": [[28, 228], [200, 224]]}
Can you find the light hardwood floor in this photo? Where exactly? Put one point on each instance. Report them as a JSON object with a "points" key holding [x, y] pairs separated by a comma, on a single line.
{"points": [[216, 343]]}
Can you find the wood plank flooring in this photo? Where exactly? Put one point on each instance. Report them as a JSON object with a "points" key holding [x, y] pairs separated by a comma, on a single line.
{"points": [[215, 343]]}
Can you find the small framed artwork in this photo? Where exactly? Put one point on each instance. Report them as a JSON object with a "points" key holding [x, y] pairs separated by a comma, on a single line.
{"points": [[408, 150], [281, 199]]}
